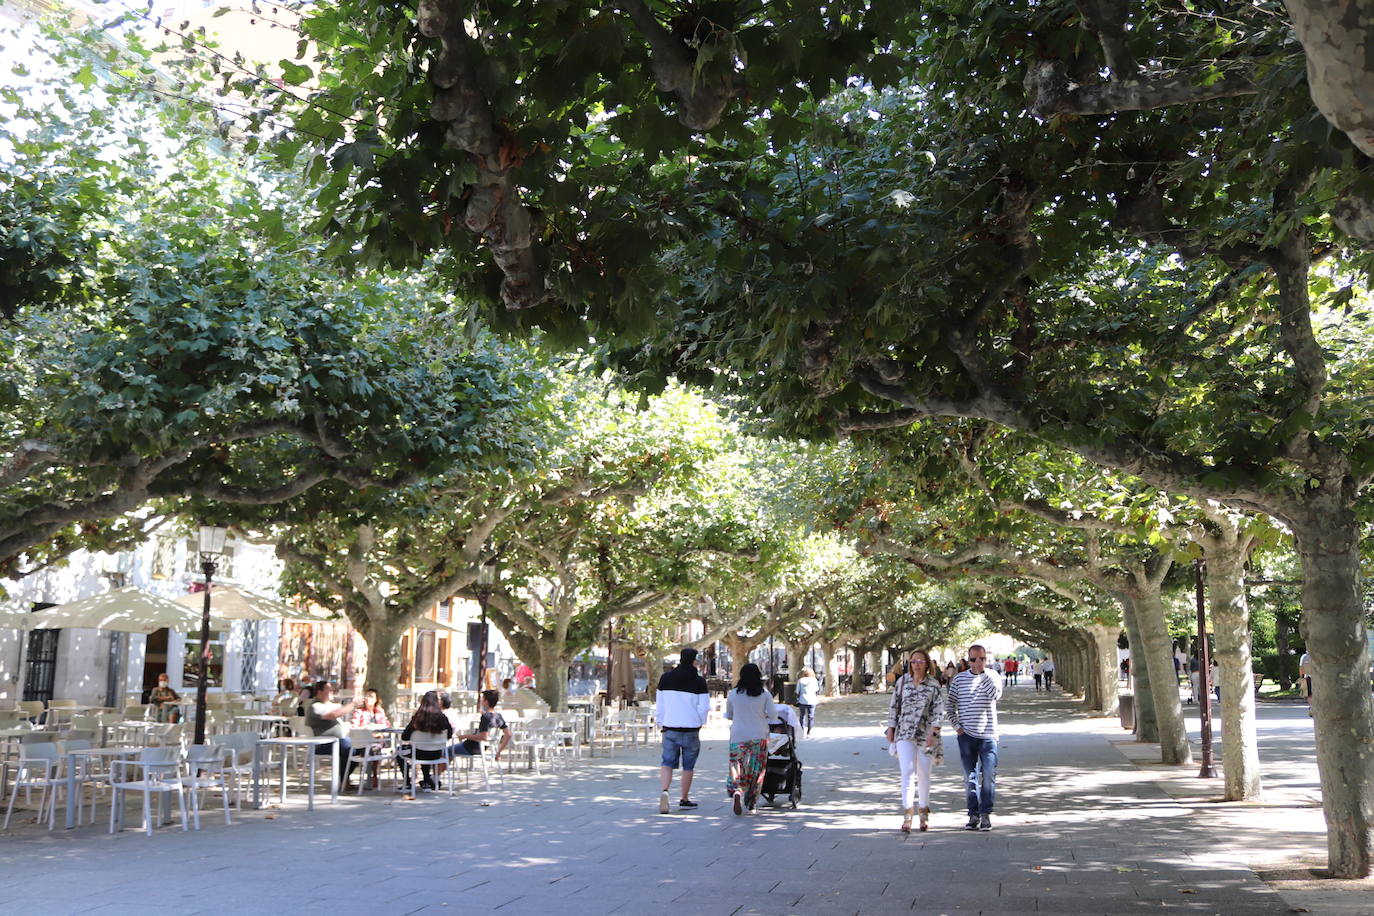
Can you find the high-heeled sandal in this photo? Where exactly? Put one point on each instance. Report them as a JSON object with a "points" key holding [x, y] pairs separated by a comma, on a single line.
{"points": [[906, 819], [925, 819]]}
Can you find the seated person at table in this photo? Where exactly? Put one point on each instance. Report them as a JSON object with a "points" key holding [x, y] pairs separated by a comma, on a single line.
{"points": [[369, 714], [429, 732], [328, 719], [470, 745], [164, 698], [288, 702]]}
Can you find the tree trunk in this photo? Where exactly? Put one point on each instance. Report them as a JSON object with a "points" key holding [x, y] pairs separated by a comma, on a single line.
{"points": [[1103, 667], [551, 673], [1328, 541], [830, 667], [796, 660], [1281, 641], [739, 648], [1335, 37], [1231, 625], [1146, 726], [1072, 661], [1159, 659], [383, 638]]}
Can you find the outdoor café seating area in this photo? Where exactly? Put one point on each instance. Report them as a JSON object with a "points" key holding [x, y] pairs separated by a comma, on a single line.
{"points": [[63, 765]]}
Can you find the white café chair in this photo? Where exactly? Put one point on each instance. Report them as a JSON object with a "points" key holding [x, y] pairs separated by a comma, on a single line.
{"points": [[159, 770], [207, 767], [369, 749], [86, 771], [39, 767], [239, 760], [486, 759]]}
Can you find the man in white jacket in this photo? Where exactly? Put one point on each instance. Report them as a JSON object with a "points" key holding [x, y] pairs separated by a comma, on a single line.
{"points": [[681, 709]]}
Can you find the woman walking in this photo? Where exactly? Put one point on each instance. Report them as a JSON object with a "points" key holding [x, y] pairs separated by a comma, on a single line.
{"points": [[748, 707], [808, 694], [913, 726]]}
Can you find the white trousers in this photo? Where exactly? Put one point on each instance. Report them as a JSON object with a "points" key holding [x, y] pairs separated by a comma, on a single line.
{"points": [[915, 766]]}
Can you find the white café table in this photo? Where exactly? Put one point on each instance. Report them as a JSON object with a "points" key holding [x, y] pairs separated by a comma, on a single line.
{"points": [[263, 724], [284, 743]]}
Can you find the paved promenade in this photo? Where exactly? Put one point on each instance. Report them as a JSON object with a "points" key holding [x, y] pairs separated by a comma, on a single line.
{"points": [[1079, 828]]}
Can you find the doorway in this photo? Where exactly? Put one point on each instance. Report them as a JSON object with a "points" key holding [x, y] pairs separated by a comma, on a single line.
{"points": [[154, 660]]}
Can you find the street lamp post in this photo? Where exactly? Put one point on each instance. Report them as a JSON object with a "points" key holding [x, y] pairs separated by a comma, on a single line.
{"points": [[486, 583], [1204, 661], [211, 547]]}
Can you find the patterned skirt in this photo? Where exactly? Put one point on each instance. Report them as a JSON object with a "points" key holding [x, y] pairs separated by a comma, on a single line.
{"points": [[748, 760]]}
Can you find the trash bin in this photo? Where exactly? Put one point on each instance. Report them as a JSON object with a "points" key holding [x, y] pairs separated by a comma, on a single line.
{"points": [[789, 693], [1126, 704]]}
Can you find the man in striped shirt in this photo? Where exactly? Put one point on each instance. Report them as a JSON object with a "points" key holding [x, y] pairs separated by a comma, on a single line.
{"points": [[972, 708]]}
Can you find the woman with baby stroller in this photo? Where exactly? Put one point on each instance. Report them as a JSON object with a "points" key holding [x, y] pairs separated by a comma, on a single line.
{"points": [[749, 708]]}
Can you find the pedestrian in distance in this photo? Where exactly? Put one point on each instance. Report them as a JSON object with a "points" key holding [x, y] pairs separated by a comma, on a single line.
{"points": [[1305, 672], [681, 709], [1048, 667], [972, 708], [749, 708], [808, 695], [1038, 672], [913, 726]]}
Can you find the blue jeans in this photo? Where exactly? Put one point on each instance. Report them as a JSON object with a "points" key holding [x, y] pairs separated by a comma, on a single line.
{"points": [[979, 759], [684, 745], [807, 715]]}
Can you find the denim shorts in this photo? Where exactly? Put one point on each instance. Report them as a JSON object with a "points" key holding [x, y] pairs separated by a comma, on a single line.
{"points": [[684, 745]]}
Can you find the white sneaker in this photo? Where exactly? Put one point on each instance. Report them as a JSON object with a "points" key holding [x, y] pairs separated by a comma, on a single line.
{"points": [[663, 803]]}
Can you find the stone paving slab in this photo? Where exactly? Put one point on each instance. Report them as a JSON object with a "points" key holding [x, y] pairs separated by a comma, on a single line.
{"points": [[1079, 828]]}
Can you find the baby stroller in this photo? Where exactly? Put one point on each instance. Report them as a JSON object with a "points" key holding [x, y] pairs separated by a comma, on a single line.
{"points": [[783, 773]]}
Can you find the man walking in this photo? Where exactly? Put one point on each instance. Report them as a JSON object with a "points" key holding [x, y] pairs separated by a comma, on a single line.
{"points": [[1048, 668], [681, 710], [972, 708]]}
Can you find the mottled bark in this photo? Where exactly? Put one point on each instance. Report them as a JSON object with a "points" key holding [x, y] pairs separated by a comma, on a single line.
{"points": [[1106, 700], [1328, 541], [830, 664], [796, 659], [1146, 725], [1338, 38], [383, 638], [1159, 659], [551, 675], [1226, 553]]}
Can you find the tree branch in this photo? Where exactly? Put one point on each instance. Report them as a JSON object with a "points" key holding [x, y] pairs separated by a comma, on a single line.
{"points": [[1051, 93], [702, 101], [493, 210]]}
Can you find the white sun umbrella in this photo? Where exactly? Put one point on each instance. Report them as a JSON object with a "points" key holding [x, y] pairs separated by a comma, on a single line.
{"points": [[128, 610], [14, 620], [232, 603], [428, 623]]}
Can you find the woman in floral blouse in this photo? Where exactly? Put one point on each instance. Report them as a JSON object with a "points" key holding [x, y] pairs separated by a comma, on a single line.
{"points": [[913, 726], [370, 714]]}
